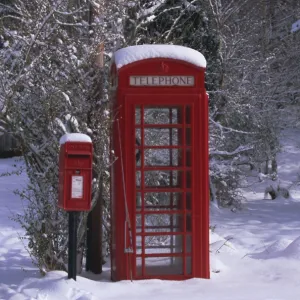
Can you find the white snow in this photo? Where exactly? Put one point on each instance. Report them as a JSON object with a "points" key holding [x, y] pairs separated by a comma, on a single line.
{"points": [[67, 98], [75, 137], [295, 26], [128, 55], [254, 253]]}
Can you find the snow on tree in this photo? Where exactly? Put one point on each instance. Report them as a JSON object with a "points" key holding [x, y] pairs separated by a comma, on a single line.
{"points": [[208, 26], [245, 113], [50, 86], [180, 22]]}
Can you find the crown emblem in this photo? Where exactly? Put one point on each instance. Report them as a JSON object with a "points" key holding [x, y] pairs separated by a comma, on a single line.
{"points": [[164, 67]]}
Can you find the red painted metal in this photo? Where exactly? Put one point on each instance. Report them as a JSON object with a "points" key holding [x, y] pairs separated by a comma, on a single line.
{"points": [[75, 161], [168, 216]]}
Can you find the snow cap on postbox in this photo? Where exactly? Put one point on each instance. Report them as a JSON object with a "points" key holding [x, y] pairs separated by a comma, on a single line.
{"points": [[128, 55], [75, 137]]}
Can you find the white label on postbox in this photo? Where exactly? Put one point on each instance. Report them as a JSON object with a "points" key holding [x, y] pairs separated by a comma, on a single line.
{"points": [[77, 187]]}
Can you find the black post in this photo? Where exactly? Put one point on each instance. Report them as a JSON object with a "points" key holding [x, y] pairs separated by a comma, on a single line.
{"points": [[89, 244], [72, 245]]}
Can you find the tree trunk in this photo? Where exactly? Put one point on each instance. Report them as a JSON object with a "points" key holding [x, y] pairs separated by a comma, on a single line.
{"points": [[94, 257]]}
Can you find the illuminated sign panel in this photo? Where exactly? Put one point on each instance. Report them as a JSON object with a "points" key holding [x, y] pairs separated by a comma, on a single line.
{"points": [[162, 80]]}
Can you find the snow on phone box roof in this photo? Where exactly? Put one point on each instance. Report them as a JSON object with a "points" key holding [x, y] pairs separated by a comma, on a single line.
{"points": [[128, 55]]}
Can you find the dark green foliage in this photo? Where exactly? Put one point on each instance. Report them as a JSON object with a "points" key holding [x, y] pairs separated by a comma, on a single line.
{"points": [[187, 23]]}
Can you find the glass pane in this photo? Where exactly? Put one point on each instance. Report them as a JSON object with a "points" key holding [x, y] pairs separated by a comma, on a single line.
{"points": [[163, 244], [164, 178], [138, 223], [188, 115], [163, 223], [161, 136], [138, 178], [163, 157], [163, 201], [188, 179], [137, 115], [188, 136], [137, 147], [188, 158], [138, 137], [188, 243], [138, 158], [188, 201], [164, 265], [138, 243], [161, 115], [189, 224], [156, 201], [139, 266], [188, 265], [138, 201]]}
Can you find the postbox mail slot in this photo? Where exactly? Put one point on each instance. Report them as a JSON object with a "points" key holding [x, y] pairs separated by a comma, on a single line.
{"points": [[79, 147], [81, 153], [78, 162]]}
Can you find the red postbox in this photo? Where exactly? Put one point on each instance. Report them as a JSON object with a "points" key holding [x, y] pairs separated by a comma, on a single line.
{"points": [[159, 178], [75, 172]]}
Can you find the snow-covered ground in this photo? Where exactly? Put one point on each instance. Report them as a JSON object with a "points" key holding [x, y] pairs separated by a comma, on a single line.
{"points": [[255, 253]]}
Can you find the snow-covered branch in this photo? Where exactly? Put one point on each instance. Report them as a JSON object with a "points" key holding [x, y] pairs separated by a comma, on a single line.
{"points": [[227, 129], [238, 150]]}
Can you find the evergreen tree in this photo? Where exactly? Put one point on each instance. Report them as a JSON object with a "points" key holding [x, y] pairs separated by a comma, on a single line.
{"points": [[179, 22]]}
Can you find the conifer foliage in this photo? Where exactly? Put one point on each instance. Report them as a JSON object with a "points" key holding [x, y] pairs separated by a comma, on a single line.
{"points": [[188, 23]]}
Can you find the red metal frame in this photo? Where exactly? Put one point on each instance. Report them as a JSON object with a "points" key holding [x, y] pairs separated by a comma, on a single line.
{"points": [[124, 128]]}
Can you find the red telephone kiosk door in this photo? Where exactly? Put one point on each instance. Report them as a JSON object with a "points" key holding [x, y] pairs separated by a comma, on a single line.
{"points": [[164, 191]]}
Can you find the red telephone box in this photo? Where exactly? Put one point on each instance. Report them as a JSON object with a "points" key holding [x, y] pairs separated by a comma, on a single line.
{"points": [[159, 180], [75, 172]]}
